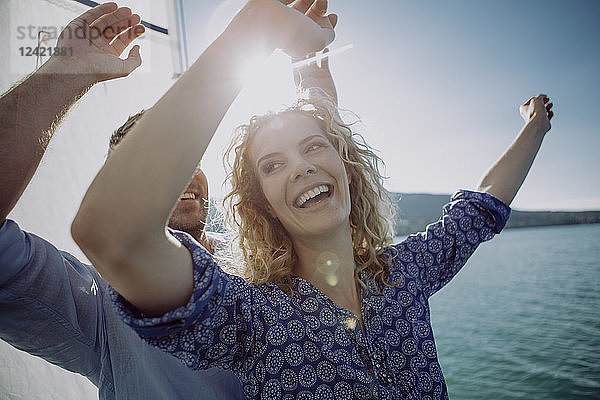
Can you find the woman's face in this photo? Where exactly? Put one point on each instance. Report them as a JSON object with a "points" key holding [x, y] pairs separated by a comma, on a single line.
{"points": [[301, 175]]}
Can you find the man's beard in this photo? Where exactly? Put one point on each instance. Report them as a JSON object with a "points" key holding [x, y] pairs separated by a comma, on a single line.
{"points": [[189, 225]]}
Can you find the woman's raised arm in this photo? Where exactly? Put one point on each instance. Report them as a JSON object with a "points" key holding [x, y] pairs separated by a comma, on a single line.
{"points": [[506, 176], [121, 223]]}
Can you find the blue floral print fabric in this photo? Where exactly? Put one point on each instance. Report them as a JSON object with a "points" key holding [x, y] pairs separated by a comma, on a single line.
{"points": [[306, 346]]}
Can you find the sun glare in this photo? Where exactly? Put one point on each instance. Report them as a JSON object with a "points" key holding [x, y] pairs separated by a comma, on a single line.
{"points": [[268, 81]]}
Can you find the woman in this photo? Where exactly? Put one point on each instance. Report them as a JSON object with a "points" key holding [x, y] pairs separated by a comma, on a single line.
{"points": [[327, 309]]}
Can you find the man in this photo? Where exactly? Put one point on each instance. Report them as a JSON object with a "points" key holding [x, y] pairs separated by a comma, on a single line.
{"points": [[52, 305]]}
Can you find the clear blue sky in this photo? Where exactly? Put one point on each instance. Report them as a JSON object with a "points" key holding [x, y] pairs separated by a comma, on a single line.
{"points": [[438, 85]]}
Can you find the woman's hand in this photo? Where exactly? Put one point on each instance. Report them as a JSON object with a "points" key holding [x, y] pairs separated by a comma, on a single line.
{"points": [[506, 176], [316, 10], [288, 27], [322, 33], [538, 110]]}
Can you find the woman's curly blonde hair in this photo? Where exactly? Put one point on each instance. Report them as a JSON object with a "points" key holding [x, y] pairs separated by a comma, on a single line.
{"points": [[267, 249]]}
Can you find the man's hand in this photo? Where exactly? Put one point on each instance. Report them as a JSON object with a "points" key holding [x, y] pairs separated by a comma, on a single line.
{"points": [[31, 111], [538, 109], [97, 39]]}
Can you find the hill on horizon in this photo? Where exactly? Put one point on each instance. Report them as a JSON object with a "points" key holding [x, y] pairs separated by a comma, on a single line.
{"points": [[414, 211]]}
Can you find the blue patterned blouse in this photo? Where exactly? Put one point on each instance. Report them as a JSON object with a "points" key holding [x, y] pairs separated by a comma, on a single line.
{"points": [[307, 347]]}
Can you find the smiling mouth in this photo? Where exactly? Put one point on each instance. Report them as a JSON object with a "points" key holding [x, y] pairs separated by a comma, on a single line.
{"points": [[189, 196], [313, 196]]}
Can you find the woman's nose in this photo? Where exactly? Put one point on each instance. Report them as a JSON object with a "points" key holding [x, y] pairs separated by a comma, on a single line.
{"points": [[303, 168]]}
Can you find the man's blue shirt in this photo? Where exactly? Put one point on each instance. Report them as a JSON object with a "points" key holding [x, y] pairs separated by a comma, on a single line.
{"points": [[55, 307]]}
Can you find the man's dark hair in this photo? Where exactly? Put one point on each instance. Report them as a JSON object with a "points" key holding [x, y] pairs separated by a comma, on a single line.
{"points": [[120, 133]]}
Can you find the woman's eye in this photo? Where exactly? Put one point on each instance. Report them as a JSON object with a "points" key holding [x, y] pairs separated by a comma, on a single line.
{"points": [[270, 167], [314, 146]]}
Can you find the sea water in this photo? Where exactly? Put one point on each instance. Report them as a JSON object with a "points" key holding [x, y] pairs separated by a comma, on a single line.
{"points": [[522, 319]]}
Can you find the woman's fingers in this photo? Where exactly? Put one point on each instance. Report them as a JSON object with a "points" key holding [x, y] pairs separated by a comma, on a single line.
{"points": [[333, 19], [316, 28], [302, 5], [549, 110], [535, 105], [546, 103], [318, 9]]}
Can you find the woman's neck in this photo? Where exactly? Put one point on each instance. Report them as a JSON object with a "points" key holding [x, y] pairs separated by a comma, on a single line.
{"points": [[328, 263]]}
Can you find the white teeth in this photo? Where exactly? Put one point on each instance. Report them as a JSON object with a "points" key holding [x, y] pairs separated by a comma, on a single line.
{"points": [[186, 196], [304, 197]]}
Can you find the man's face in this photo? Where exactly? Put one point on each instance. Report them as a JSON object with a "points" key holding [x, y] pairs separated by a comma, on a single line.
{"points": [[192, 208]]}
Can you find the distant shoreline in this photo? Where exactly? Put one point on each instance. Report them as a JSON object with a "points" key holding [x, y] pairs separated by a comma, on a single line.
{"points": [[414, 211]]}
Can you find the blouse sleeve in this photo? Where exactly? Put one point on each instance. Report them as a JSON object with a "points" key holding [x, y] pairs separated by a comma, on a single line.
{"points": [[214, 329], [437, 254]]}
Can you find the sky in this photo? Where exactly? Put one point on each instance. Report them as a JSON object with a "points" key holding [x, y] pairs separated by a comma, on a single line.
{"points": [[438, 85]]}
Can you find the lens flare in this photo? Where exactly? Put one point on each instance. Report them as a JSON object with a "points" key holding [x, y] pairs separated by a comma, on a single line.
{"points": [[351, 323], [331, 279]]}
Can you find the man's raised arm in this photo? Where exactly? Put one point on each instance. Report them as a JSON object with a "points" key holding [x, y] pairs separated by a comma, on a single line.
{"points": [[31, 111]]}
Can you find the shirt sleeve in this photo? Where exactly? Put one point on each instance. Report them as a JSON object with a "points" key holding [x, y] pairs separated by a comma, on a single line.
{"points": [[215, 327], [50, 302], [437, 254]]}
